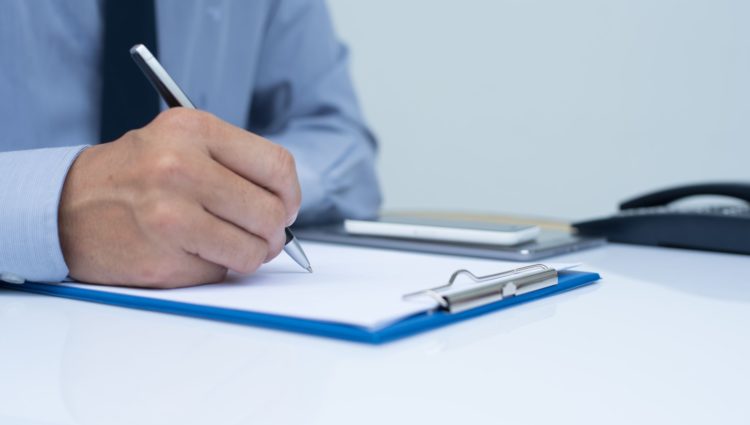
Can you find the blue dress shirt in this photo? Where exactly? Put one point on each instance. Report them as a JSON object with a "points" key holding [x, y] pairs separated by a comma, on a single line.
{"points": [[274, 67]]}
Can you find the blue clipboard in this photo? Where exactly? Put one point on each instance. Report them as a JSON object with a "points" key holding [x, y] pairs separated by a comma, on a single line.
{"points": [[566, 280]]}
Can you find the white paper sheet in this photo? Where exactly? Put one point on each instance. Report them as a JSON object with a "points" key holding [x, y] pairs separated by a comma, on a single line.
{"points": [[356, 286]]}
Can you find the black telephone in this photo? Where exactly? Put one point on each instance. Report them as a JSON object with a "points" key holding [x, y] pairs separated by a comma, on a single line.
{"points": [[650, 220]]}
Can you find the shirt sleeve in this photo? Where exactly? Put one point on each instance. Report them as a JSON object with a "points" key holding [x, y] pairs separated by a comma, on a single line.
{"points": [[304, 100], [30, 188]]}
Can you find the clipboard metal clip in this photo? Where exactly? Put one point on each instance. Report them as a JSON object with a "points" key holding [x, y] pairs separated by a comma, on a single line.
{"points": [[457, 296]]}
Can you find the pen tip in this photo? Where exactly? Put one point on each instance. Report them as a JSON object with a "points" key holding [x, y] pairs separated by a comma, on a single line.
{"points": [[309, 269]]}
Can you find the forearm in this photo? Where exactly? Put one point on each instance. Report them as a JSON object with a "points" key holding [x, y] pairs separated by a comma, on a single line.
{"points": [[30, 190]]}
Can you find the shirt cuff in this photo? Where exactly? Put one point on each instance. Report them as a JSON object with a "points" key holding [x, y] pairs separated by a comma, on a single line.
{"points": [[29, 198]]}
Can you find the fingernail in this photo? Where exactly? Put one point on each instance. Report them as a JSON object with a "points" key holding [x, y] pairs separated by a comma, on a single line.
{"points": [[292, 220]]}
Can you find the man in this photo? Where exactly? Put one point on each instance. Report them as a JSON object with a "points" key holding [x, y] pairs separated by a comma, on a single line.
{"points": [[186, 195]]}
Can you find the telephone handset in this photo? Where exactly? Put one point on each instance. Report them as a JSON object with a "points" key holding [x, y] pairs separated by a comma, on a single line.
{"points": [[653, 220]]}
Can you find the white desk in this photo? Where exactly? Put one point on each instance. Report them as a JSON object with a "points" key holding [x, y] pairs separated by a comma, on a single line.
{"points": [[664, 338]]}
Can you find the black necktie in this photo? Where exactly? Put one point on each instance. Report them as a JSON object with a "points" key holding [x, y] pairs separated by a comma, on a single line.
{"points": [[127, 100]]}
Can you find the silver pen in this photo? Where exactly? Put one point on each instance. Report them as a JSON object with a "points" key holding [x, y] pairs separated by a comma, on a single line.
{"points": [[174, 96]]}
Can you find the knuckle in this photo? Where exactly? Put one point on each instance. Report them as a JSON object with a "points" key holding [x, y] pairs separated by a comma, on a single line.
{"points": [[296, 202], [133, 135], [284, 164], [200, 123], [169, 167], [164, 218], [186, 121], [173, 118], [286, 175]]}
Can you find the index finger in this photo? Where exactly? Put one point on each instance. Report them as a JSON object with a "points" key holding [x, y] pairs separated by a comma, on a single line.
{"points": [[257, 159]]}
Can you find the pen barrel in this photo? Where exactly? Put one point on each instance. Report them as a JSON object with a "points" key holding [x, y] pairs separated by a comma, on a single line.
{"points": [[289, 235]]}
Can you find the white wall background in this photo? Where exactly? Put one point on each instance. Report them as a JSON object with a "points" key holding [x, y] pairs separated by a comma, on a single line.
{"points": [[549, 107]]}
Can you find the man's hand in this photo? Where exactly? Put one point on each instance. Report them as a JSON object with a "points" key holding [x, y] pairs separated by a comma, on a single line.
{"points": [[176, 203]]}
